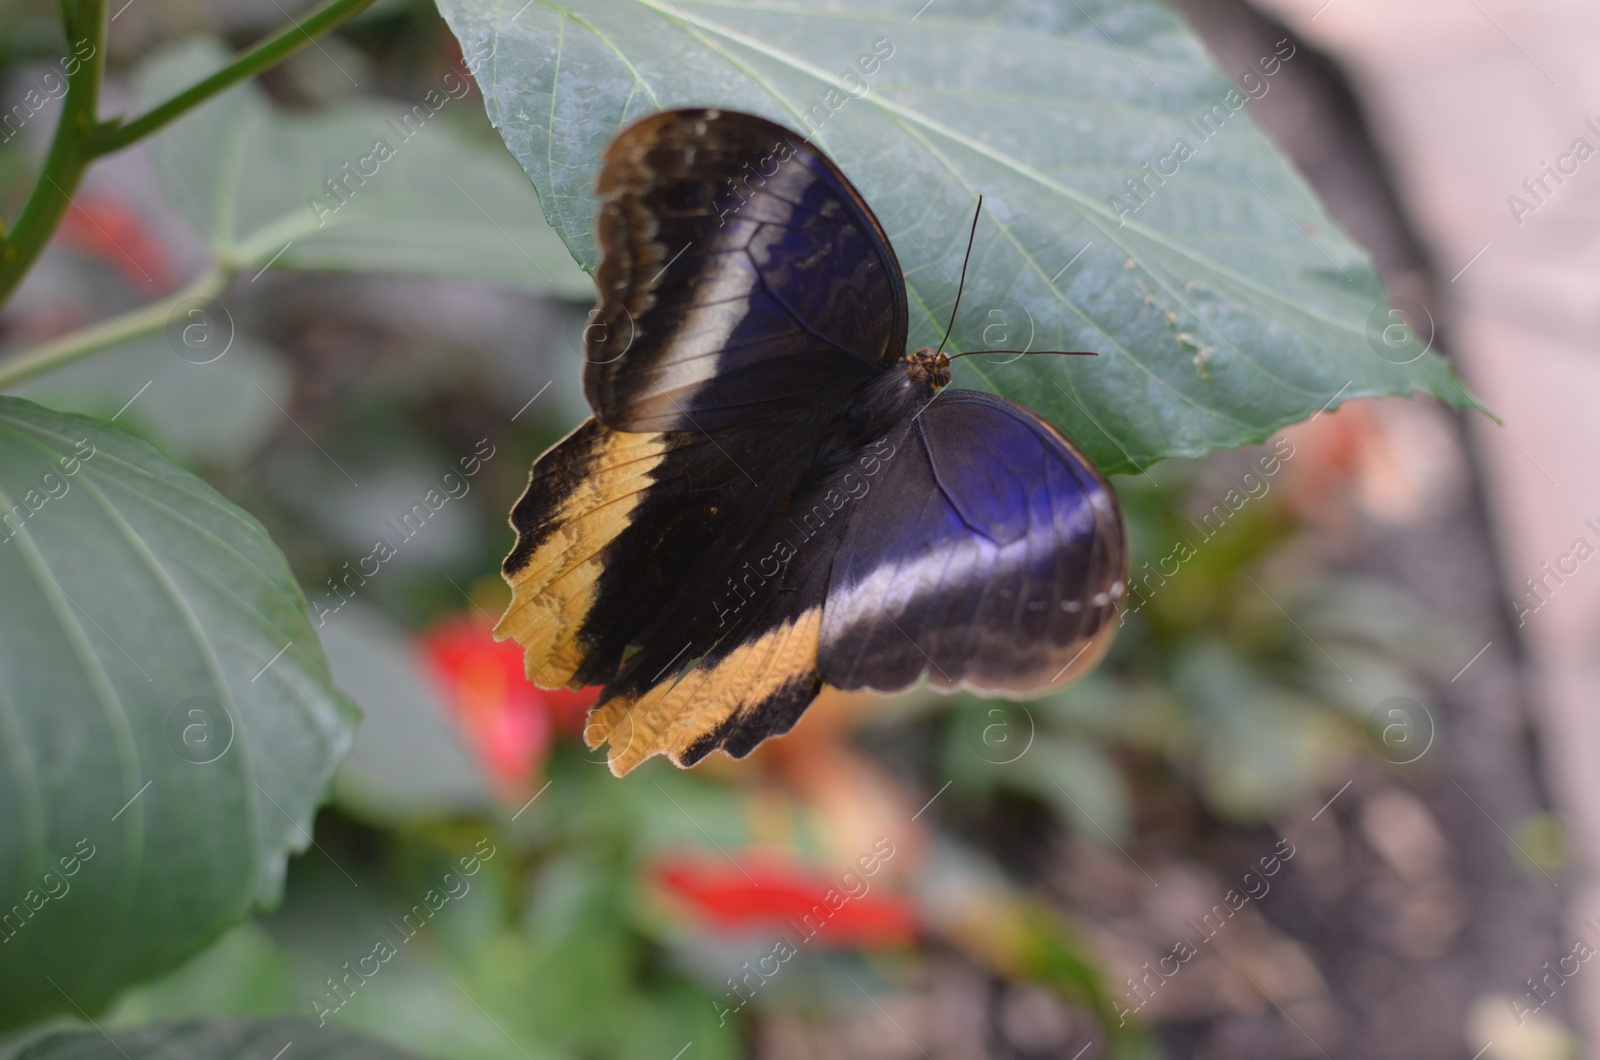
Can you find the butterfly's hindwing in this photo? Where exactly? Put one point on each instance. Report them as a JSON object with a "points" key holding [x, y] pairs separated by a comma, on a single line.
{"points": [[754, 681], [991, 557], [736, 661], [617, 530]]}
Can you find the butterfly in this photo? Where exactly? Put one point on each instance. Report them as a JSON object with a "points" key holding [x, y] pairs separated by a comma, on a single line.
{"points": [[772, 494]]}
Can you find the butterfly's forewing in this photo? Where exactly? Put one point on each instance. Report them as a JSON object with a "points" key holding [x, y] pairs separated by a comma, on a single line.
{"points": [[733, 660], [990, 556], [623, 539], [740, 274]]}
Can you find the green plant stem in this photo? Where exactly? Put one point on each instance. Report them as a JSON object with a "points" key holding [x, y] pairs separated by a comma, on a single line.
{"points": [[113, 137], [80, 136], [136, 324], [70, 149]]}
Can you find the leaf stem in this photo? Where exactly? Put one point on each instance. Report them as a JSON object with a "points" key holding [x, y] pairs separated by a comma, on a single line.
{"points": [[80, 136], [135, 324], [112, 136], [70, 151]]}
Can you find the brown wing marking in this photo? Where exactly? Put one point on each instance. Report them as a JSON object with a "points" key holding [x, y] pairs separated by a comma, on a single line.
{"points": [[675, 716], [581, 495]]}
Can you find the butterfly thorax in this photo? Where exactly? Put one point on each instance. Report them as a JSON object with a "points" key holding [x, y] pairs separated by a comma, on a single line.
{"points": [[929, 367], [868, 414], [891, 398]]}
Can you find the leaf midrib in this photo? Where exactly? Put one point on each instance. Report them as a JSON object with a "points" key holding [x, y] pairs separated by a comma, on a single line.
{"points": [[902, 115], [1088, 209]]}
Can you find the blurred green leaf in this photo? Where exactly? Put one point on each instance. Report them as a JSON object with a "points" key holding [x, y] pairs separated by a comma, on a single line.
{"points": [[1260, 745], [1080, 783], [352, 188], [1540, 844], [235, 1039], [1366, 611], [445, 968], [962, 896], [1228, 306], [580, 948], [408, 760], [1363, 678], [991, 744], [243, 973], [166, 715], [219, 412]]}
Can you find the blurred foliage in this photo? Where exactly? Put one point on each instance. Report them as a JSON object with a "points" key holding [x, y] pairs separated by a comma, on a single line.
{"points": [[1240, 684], [237, 1039], [387, 192], [1249, 672]]}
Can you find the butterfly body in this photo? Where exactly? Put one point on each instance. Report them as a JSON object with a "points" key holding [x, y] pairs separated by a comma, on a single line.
{"points": [[772, 494]]}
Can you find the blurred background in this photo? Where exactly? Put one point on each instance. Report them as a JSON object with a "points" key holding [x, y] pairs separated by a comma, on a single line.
{"points": [[1333, 792]]}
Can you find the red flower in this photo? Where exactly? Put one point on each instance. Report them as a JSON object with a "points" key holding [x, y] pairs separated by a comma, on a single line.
{"points": [[108, 230], [767, 893], [507, 720]]}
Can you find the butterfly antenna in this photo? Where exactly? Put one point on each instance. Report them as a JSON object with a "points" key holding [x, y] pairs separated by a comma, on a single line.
{"points": [[963, 284], [1030, 353]]}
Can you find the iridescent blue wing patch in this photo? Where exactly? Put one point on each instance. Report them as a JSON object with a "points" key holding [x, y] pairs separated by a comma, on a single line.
{"points": [[990, 556]]}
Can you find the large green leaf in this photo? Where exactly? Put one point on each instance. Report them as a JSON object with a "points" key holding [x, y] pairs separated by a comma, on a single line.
{"points": [[1227, 306], [234, 1039], [254, 184], [167, 722]]}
